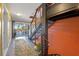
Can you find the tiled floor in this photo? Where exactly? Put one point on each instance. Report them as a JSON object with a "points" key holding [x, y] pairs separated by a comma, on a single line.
{"points": [[22, 48]]}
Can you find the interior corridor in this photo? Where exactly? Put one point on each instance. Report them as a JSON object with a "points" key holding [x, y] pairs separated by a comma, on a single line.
{"points": [[39, 29], [17, 43]]}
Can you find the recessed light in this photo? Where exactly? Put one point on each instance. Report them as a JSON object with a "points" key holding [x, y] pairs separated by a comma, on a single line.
{"points": [[18, 14]]}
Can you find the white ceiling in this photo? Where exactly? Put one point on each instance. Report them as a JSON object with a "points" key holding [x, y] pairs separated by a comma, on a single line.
{"points": [[26, 9]]}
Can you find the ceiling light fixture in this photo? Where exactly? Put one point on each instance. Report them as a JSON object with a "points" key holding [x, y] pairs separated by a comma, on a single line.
{"points": [[18, 14]]}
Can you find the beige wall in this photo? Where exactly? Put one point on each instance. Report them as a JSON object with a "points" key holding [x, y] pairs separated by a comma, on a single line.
{"points": [[0, 30]]}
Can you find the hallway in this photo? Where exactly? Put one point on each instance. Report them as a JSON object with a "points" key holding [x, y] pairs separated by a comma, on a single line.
{"points": [[39, 29], [15, 33]]}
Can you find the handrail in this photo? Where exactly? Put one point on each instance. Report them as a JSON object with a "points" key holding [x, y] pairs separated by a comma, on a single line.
{"points": [[36, 30]]}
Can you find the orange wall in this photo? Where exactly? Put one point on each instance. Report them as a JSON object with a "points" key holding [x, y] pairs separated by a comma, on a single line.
{"points": [[63, 37]]}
